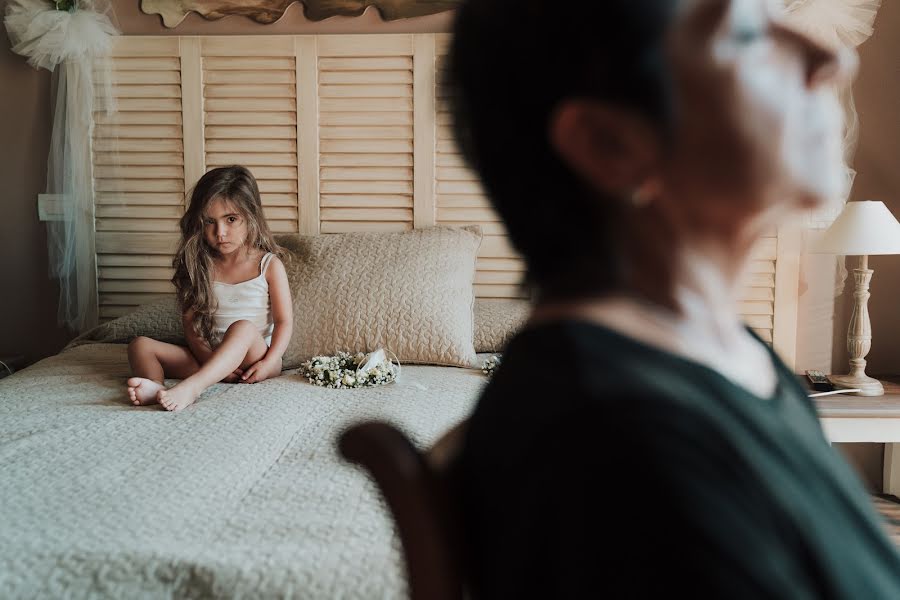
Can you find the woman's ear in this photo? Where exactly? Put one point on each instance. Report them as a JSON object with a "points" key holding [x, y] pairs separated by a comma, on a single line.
{"points": [[611, 148]]}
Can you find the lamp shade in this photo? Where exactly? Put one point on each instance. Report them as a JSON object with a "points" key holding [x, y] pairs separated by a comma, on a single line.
{"points": [[866, 227]]}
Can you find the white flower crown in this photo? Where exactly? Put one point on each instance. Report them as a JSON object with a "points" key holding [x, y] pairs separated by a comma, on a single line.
{"points": [[345, 370], [490, 365]]}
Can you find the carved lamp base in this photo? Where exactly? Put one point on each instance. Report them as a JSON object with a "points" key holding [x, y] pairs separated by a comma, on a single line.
{"points": [[866, 385], [859, 338]]}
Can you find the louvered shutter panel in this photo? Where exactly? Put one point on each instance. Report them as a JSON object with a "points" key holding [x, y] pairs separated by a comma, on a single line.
{"points": [[365, 134], [757, 300], [461, 200], [250, 118], [138, 158]]}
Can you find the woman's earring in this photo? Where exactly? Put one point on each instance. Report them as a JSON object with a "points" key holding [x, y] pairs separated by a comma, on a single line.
{"points": [[639, 198], [643, 195]]}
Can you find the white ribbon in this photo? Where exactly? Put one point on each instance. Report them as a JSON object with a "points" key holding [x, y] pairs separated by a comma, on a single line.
{"points": [[377, 358]]}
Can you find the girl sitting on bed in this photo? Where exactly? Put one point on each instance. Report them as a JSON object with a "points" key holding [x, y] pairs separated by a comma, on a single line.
{"points": [[233, 293]]}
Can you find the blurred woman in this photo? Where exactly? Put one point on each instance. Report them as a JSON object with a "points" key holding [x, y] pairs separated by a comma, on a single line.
{"points": [[639, 439]]}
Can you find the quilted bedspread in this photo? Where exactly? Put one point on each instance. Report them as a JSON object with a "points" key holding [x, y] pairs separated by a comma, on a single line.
{"points": [[240, 495]]}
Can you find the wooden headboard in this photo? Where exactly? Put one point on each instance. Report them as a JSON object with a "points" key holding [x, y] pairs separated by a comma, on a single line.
{"points": [[343, 133]]}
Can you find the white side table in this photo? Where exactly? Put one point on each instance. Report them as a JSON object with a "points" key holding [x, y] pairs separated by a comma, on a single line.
{"points": [[849, 418]]}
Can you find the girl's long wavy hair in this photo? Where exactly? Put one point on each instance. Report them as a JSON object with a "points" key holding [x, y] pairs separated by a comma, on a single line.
{"points": [[193, 261]]}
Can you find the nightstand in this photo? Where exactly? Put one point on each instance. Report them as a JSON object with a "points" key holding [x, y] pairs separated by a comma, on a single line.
{"points": [[849, 418]]}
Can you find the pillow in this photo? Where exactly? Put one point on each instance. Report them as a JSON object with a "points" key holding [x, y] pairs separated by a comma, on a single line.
{"points": [[160, 320], [410, 292], [497, 321]]}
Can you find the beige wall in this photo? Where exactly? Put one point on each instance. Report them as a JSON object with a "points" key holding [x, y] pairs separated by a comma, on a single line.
{"points": [[27, 296], [133, 22], [878, 166]]}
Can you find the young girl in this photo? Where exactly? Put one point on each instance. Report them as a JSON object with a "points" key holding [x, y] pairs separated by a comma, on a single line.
{"points": [[234, 297]]}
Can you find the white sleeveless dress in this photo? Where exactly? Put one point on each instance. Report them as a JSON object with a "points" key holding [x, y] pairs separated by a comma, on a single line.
{"points": [[247, 300]]}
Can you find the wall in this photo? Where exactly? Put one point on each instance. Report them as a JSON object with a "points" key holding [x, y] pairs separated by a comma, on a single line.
{"points": [[133, 22], [878, 178], [28, 299]]}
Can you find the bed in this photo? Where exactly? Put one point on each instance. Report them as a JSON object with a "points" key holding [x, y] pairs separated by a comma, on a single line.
{"points": [[242, 495]]}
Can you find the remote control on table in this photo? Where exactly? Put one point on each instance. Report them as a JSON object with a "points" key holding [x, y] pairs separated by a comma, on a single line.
{"points": [[819, 381]]}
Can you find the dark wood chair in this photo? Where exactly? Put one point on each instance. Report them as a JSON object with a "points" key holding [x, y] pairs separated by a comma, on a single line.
{"points": [[419, 493]]}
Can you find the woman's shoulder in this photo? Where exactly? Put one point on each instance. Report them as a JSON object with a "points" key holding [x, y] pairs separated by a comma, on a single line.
{"points": [[587, 367], [584, 359], [581, 345]]}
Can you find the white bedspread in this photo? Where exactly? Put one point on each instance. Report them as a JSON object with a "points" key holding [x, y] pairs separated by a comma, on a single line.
{"points": [[241, 495]]}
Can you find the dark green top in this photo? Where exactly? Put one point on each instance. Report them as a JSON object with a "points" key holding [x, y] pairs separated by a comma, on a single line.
{"points": [[596, 465]]}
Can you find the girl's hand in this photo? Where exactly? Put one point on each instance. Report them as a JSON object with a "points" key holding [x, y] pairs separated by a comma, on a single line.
{"points": [[258, 371]]}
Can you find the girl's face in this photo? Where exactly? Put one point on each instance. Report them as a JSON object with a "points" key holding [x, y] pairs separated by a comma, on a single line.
{"points": [[224, 226], [757, 122]]}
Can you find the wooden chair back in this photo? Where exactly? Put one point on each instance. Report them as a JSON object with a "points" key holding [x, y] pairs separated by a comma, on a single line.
{"points": [[418, 489]]}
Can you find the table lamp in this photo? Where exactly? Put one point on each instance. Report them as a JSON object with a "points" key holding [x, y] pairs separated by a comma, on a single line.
{"points": [[862, 228]]}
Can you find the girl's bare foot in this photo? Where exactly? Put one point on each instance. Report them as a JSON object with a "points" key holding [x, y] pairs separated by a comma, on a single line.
{"points": [[178, 397], [143, 391]]}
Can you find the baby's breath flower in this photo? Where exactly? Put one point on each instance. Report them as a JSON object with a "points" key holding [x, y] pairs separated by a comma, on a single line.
{"points": [[490, 365]]}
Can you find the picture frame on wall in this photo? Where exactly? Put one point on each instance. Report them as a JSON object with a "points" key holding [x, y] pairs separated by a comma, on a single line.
{"points": [[269, 11]]}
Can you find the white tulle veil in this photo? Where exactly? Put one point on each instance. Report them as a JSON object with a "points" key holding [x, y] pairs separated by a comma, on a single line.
{"points": [[836, 23], [75, 45]]}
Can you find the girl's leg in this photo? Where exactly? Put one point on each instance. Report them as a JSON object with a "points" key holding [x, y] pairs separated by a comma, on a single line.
{"points": [[241, 347], [151, 360]]}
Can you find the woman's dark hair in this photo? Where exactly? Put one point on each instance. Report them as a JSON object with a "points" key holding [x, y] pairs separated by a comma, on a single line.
{"points": [[510, 64]]}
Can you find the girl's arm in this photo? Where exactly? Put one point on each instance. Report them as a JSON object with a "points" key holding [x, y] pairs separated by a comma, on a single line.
{"points": [[197, 345], [283, 318]]}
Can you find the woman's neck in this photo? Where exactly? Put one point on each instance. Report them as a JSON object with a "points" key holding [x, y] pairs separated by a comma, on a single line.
{"points": [[706, 290], [694, 284], [700, 320]]}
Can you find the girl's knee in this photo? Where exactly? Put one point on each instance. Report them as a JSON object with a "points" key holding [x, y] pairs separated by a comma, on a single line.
{"points": [[140, 344], [242, 327], [141, 348]]}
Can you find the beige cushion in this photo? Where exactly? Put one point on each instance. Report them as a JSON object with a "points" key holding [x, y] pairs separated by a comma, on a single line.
{"points": [[410, 292], [497, 321], [160, 320]]}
